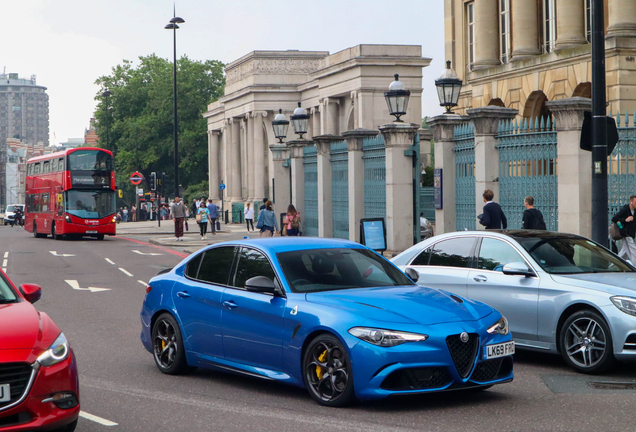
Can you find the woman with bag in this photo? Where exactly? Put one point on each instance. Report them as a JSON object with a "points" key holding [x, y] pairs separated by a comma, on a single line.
{"points": [[249, 216], [202, 219], [267, 221], [291, 227]]}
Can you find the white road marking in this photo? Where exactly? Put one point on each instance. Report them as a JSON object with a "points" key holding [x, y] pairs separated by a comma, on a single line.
{"points": [[6, 254], [142, 253], [101, 421], [75, 285], [108, 260], [4, 262], [125, 272], [143, 283], [54, 253]]}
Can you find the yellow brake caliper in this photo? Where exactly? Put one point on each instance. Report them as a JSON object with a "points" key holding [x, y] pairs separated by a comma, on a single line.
{"points": [[319, 371]]}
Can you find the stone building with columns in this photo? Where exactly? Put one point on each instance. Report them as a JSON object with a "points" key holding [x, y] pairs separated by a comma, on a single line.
{"points": [[341, 92]]}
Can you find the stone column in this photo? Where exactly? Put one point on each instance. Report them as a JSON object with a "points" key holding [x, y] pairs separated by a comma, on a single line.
{"points": [[398, 138], [622, 18], [249, 156], [323, 158], [356, 178], [443, 132], [570, 24], [329, 117], [525, 30], [234, 168], [486, 120], [315, 122], [243, 157], [486, 34], [574, 166], [298, 174], [281, 197], [259, 157], [213, 164]]}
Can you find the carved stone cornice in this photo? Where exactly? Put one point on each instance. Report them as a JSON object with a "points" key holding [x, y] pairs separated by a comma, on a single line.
{"points": [[398, 134], [280, 152], [356, 137], [272, 66], [569, 113], [486, 119], [296, 147], [443, 126]]}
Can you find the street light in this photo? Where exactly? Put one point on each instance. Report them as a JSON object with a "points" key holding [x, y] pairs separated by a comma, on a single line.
{"points": [[106, 95], [280, 125], [397, 98], [173, 26], [300, 121], [448, 87]]}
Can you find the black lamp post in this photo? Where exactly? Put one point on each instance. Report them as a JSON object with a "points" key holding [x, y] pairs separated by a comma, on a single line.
{"points": [[106, 95], [397, 98], [173, 26], [300, 121], [448, 88], [280, 125]]}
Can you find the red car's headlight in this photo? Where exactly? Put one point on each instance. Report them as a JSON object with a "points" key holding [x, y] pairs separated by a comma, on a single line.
{"points": [[57, 352]]}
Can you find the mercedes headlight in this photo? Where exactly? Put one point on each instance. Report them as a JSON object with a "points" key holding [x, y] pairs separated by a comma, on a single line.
{"points": [[58, 351], [625, 304], [386, 338], [500, 327]]}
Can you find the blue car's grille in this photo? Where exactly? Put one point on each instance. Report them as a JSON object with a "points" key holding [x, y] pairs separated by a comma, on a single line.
{"points": [[17, 376], [417, 379], [490, 370], [463, 353]]}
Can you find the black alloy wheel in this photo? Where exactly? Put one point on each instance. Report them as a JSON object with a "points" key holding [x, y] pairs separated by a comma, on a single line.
{"points": [[167, 344], [586, 342], [327, 372]]}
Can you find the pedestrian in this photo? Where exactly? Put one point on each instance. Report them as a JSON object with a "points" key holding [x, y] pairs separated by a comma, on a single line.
{"points": [[624, 219], [187, 215], [195, 207], [117, 217], [291, 226], [264, 204], [143, 212], [178, 213], [133, 209], [163, 213], [214, 214], [124, 215], [492, 217], [267, 222], [532, 217], [249, 216], [203, 214]]}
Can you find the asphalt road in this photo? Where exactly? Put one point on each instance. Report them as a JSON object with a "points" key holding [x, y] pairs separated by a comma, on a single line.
{"points": [[121, 384]]}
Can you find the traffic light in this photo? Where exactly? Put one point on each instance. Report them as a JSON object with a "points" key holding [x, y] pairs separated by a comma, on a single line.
{"points": [[153, 181]]}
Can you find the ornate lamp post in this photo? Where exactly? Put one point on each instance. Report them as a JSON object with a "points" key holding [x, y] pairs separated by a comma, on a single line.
{"points": [[280, 125], [397, 98], [448, 88], [300, 121], [172, 25]]}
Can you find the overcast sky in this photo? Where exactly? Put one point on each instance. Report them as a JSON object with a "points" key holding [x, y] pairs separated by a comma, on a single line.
{"points": [[67, 44]]}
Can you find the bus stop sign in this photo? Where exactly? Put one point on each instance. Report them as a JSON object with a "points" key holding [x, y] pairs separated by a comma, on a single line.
{"points": [[136, 178]]}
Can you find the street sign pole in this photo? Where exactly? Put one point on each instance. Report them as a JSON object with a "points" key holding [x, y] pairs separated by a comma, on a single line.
{"points": [[222, 187]]}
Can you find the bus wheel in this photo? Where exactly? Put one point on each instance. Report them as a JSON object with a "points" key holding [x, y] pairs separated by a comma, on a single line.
{"points": [[54, 234], [100, 236], [35, 231]]}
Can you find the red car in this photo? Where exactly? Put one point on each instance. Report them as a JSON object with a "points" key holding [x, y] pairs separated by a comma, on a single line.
{"points": [[39, 388]]}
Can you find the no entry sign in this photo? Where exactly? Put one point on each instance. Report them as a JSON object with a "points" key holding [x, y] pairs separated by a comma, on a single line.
{"points": [[136, 178]]}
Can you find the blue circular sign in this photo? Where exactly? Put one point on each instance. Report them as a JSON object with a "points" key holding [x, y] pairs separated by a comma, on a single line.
{"points": [[222, 187]]}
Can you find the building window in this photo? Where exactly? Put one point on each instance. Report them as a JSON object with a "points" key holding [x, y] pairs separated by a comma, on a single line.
{"points": [[549, 26], [588, 20], [470, 18], [504, 30]]}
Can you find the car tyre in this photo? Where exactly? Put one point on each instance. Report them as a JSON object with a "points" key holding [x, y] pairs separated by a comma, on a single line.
{"points": [[585, 342], [68, 428], [100, 236], [54, 234], [327, 372], [167, 345]]}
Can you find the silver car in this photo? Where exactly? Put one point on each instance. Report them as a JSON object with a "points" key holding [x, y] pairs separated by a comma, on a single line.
{"points": [[561, 292]]}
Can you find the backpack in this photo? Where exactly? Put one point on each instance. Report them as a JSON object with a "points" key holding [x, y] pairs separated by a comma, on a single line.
{"points": [[614, 232], [539, 224]]}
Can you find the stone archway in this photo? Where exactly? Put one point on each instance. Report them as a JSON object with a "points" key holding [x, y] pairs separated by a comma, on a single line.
{"points": [[497, 102], [535, 105], [584, 89]]}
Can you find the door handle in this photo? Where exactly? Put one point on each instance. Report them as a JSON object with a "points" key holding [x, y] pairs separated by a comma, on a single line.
{"points": [[183, 294], [480, 278], [230, 304]]}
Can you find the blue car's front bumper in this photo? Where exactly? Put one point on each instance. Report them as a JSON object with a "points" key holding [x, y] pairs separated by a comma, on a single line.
{"points": [[428, 366]]}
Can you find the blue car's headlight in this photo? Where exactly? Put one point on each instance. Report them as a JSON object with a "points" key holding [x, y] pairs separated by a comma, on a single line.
{"points": [[58, 351], [625, 304], [386, 338], [500, 327]]}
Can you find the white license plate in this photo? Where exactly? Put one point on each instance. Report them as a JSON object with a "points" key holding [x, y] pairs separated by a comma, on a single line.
{"points": [[5, 392], [91, 232], [499, 350]]}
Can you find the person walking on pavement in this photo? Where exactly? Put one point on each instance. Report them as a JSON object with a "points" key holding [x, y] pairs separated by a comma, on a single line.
{"points": [[249, 216], [267, 222], [178, 213], [625, 221], [203, 214], [124, 214], [214, 214], [492, 217], [133, 209], [291, 226], [532, 217]]}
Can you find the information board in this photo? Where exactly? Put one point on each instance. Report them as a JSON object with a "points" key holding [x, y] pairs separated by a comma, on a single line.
{"points": [[438, 188], [373, 233]]}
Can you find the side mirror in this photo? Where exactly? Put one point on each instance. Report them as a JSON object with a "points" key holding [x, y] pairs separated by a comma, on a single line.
{"points": [[260, 284], [412, 274], [31, 292], [517, 269]]}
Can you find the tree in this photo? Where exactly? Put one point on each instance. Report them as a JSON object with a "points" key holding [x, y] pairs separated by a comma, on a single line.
{"points": [[139, 116]]}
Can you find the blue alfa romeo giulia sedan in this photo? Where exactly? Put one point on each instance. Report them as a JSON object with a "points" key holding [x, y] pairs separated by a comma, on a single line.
{"points": [[329, 315]]}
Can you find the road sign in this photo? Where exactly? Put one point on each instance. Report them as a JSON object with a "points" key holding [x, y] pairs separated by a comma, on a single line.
{"points": [[222, 186], [136, 178], [140, 191]]}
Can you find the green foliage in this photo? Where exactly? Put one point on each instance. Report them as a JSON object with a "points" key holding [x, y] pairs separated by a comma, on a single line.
{"points": [[427, 177], [199, 190], [136, 121]]}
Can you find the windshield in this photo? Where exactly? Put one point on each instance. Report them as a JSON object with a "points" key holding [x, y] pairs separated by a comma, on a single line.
{"points": [[317, 270], [10, 209], [563, 255], [90, 204], [89, 160], [6, 292]]}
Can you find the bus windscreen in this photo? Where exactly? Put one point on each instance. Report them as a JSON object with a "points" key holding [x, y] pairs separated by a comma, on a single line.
{"points": [[89, 160], [90, 204]]}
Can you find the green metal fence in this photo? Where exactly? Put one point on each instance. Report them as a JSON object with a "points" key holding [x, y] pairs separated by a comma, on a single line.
{"points": [[528, 165], [238, 215], [465, 210], [621, 166], [427, 202], [374, 177], [340, 189], [310, 166]]}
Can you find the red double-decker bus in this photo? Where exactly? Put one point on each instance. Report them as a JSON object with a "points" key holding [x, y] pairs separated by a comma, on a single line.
{"points": [[71, 193]]}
